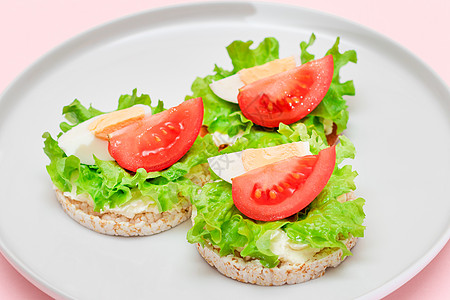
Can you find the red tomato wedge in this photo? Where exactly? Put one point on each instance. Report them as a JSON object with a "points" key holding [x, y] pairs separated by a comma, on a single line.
{"points": [[288, 96], [157, 141], [279, 190]]}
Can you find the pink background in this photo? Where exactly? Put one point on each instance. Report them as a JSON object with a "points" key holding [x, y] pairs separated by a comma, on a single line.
{"points": [[30, 28]]}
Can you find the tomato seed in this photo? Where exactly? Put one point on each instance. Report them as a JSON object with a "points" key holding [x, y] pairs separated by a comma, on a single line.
{"points": [[163, 131], [295, 175], [272, 194], [286, 185], [157, 138], [279, 188], [270, 106], [258, 193]]}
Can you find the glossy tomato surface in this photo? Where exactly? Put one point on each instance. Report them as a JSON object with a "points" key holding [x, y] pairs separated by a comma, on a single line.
{"points": [[279, 190], [158, 141], [288, 96]]}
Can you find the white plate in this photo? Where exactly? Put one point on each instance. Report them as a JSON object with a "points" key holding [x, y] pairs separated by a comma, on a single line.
{"points": [[399, 121]]}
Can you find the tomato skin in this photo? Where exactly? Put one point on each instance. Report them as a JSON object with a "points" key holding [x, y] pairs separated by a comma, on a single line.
{"points": [[289, 96], [318, 170], [158, 141]]}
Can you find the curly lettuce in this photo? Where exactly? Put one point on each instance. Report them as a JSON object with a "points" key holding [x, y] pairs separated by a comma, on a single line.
{"points": [[323, 224], [225, 117], [110, 185]]}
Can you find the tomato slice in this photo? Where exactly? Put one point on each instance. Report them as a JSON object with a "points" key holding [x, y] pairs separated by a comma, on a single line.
{"points": [[287, 96], [281, 189], [157, 141]]}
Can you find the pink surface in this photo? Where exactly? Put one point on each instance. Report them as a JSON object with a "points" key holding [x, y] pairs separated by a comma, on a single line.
{"points": [[28, 29]]}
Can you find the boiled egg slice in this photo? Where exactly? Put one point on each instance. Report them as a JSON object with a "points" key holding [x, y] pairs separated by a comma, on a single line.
{"points": [[91, 137], [228, 88], [230, 165]]}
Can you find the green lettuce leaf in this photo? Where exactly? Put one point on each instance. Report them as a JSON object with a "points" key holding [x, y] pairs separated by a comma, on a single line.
{"points": [[285, 134], [326, 225], [110, 185], [76, 113], [242, 57]]}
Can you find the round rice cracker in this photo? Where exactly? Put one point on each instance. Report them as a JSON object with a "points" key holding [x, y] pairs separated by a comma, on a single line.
{"points": [[161, 222], [254, 272]]}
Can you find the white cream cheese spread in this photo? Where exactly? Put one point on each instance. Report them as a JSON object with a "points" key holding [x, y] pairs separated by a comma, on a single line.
{"points": [[129, 209], [288, 250]]}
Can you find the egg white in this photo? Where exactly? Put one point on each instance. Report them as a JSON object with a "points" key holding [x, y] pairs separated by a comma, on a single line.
{"points": [[228, 88], [230, 165], [82, 143]]}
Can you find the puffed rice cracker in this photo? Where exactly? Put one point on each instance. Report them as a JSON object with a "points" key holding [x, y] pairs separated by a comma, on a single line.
{"points": [[120, 225]]}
